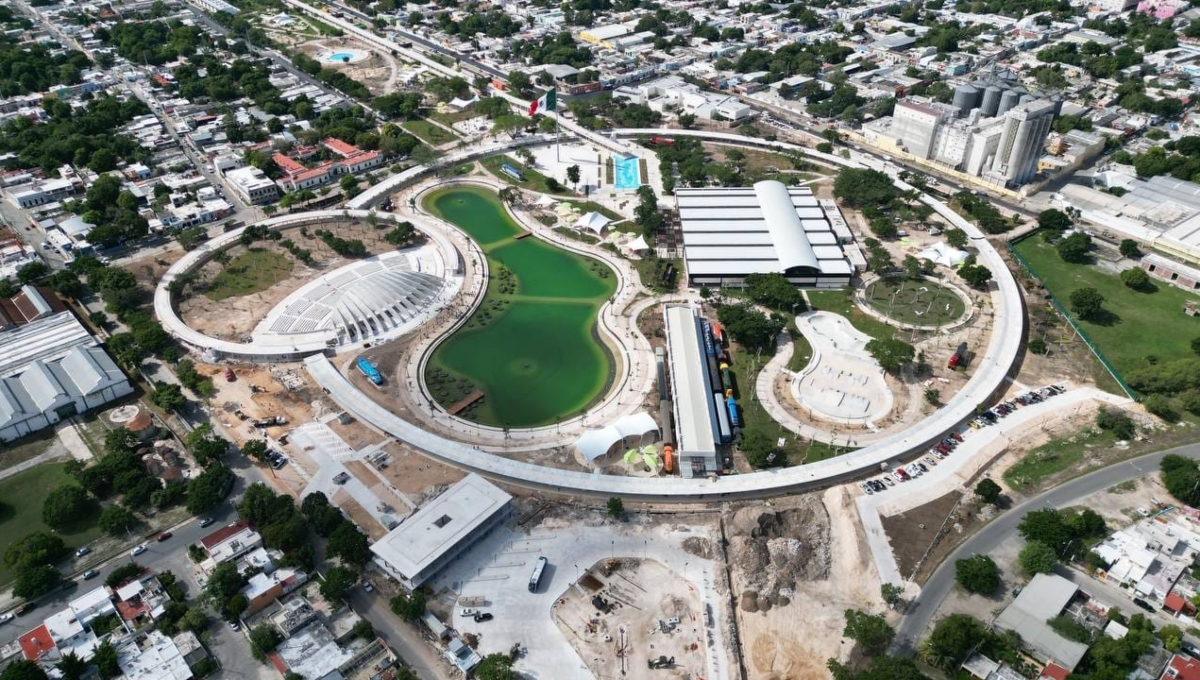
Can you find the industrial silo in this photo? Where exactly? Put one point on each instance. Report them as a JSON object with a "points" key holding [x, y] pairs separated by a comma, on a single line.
{"points": [[966, 97], [991, 100], [1009, 99], [1027, 98]]}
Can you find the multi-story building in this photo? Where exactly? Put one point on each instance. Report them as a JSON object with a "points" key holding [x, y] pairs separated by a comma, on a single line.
{"points": [[252, 185]]}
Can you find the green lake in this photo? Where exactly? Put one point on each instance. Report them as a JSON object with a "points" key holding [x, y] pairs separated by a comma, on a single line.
{"points": [[532, 347]]}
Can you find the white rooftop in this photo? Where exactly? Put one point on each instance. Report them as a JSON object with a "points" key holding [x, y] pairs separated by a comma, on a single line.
{"points": [[158, 658], [440, 524]]}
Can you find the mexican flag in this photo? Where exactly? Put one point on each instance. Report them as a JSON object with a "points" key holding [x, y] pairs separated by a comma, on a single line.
{"points": [[544, 103]]}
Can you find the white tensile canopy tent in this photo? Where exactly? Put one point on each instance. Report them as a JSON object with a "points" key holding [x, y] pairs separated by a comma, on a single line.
{"points": [[592, 221], [544, 201], [942, 253], [596, 443], [639, 244]]}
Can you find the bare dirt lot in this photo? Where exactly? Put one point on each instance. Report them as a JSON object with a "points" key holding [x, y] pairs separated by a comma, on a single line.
{"points": [[782, 555], [233, 318], [377, 71], [621, 620]]}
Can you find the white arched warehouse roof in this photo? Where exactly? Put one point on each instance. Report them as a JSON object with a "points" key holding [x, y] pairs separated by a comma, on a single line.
{"points": [[787, 232]]}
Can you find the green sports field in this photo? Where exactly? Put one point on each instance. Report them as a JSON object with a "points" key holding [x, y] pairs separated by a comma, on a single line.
{"points": [[532, 347], [920, 302]]}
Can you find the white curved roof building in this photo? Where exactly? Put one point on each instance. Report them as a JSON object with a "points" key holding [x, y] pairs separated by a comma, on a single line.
{"points": [[731, 232], [378, 297]]}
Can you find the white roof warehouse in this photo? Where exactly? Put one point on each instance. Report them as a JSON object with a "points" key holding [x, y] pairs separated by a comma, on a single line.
{"points": [[441, 530], [732, 232]]}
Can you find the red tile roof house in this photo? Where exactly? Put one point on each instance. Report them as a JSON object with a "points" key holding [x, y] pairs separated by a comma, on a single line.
{"points": [[353, 160], [1053, 671], [1182, 668]]}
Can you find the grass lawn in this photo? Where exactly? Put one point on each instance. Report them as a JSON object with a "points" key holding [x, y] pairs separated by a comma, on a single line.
{"points": [[1054, 457], [745, 369], [452, 117], [842, 302], [429, 133], [22, 496], [254, 270], [802, 350], [1138, 324], [28, 448], [586, 207], [916, 302], [534, 180]]}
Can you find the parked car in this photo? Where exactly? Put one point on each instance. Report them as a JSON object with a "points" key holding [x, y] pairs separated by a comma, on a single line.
{"points": [[467, 612], [25, 608], [207, 521], [235, 626], [901, 474], [483, 616], [887, 479], [7, 617], [367, 586], [138, 550], [90, 574], [164, 536], [82, 551], [341, 478], [867, 488]]}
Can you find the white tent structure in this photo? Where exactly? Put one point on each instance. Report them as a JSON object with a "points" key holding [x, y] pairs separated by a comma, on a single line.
{"points": [[544, 201], [592, 221], [596, 443], [942, 253], [639, 244]]}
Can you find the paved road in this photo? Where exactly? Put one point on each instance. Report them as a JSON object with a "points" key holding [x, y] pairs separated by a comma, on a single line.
{"points": [[402, 637], [921, 610]]}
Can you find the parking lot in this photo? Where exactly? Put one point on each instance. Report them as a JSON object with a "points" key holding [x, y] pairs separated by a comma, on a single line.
{"points": [[978, 448], [494, 576]]}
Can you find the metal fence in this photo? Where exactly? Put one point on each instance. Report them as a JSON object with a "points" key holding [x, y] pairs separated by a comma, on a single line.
{"points": [[1062, 309]]}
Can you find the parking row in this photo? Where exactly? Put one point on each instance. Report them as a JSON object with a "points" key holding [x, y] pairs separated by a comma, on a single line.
{"points": [[940, 451]]}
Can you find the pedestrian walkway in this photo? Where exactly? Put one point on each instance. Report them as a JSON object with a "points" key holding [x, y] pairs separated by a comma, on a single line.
{"points": [[56, 451], [68, 434]]}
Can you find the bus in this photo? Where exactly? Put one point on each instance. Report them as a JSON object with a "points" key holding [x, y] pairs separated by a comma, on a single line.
{"points": [[536, 579]]}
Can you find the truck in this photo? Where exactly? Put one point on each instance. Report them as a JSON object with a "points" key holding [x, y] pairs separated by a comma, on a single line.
{"points": [[368, 369], [958, 357]]}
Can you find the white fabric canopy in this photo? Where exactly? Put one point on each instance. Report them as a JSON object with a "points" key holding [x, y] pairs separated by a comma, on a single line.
{"points": [[545, 201], [595, 443], [942, 253], [463, 103], [639, 243], [593, 221]]}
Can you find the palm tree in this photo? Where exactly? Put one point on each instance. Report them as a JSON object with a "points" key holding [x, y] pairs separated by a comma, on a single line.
{"points": [[72, 666], [509, 195]]}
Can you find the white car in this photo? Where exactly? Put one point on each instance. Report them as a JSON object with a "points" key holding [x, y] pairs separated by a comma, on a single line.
{"points": [[138, 550], [867, 488], [7, 617], [467, 613]]}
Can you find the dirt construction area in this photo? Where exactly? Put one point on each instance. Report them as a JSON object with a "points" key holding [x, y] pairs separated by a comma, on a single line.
{"points": [[790, 611], [628, 617], [205, 305]]}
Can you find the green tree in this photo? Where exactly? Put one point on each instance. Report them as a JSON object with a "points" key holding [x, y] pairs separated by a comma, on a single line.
{"points": [[255, 449], [32, 272], [1037, 558], [1047, 526], [336, 582], [859, 188], [1161, 406], [1086, 302], [1074, 248], [116, 520], [34, 580], [1115, 421], [1054, 220], [975, 274], [1172, 637], [1129, 248], [760, 450], [495, 667], [891, 353], [105, 659], [891, 593], [988, 491], [749, 327], [72, 667], [616, 507], [409, 607], [978, 574], [349, 544], [168, 396], [21, 669], [880, 668], [205, 492], [65, 506], [774, 291], [573, 175], [38, 547], [957, 238], [952, 640], [520, 83], [871, 631], [263, 640], [1135, 278]]}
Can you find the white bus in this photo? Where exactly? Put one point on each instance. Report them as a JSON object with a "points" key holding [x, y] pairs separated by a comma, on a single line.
{"points": [[536, 579]]}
